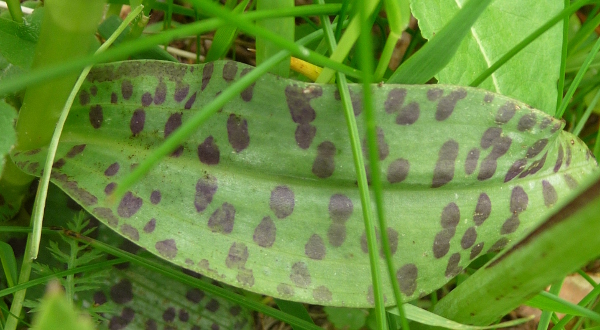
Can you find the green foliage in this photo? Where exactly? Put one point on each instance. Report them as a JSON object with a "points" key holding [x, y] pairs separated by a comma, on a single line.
{"points": [[263, 195], [56, 313]]}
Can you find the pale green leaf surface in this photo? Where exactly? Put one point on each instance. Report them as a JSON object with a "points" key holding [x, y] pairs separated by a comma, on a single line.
{"points": [[264, 196], [56, 313], [530, 76], [346, 318]]}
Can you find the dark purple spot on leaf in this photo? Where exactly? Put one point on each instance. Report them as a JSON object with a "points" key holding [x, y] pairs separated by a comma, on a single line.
{"points": [[447, 104], [126, 89], [444, 167], [114, 98], [441, 244], [300, 275], [398, 170], [434, 94], [112, 169], [305, 133], [190, 102], [536, 148], [208, 152], [181, 91], [282, 201], [229, 71], [146, 99], [222, 220], [516, 168], [106, 214], [150, 226], [76, 150], [469, 238], [409, 114], [510, 225], [194, 295], [110, 188], [336, 234], [571, 182], [248, 92], [265, 232], [167, 248], [138, 119], [453, 269], [84, 97], [160, 94], [155, 197], [324, 163], [518, 200], [322, 294], [471, 161], [488, 98], [206, 187], [212, 306], [298, 101], [315, 247], [506, 112], [476, 250], [550, 195], [395, 100], [490, 135], [450, 216], [172, 124], [207, 72], [129, 205], [96, 116], [237, 132], [130, 232], [483, 209], [340, 208], [407, 278], [237, 256], [121, 293], [169, 315], [526, 122]]}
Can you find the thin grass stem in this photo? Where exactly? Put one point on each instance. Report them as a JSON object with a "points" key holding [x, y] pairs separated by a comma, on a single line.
{"points": [[563, 57], [586, 114]]}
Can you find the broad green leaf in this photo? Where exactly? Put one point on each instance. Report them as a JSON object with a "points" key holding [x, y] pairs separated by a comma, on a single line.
{"points": [[264, 196], [530, 76], [346, 318]]}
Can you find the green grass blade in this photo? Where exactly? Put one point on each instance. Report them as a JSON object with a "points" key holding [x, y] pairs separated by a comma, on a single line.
{"points": [[583, 34], [430, 59], [582, 70], [586, 114], [296, 50], [551, 302], [14, 7], [589, 298], [9, 263], [563, 56], [398, 14], [346, 43], [282, 27], [547, 314], [224, 37], [426, 317], [570, 235], [122, 51]]}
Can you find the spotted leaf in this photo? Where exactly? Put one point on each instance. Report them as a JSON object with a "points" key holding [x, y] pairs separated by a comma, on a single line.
{"points": [[264, 195]]}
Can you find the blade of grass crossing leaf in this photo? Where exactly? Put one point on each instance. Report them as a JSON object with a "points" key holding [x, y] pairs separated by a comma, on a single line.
{"points": [[551, 302], [33, 240], [347, 41], [569, 235], [14, 7], [9, 263], [224, 36], [436, 53], [361, 177], [583, 34], [547, 313], [578, 77], [121, 51], [563, 56], [177, 275], [365, 53], [341, 18], [398, 14], [589, 298], [586, 114], [297, 50], [426, 317], [295, 309], [282, 27], [167, 20], [564, 13], [190, 126]]}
